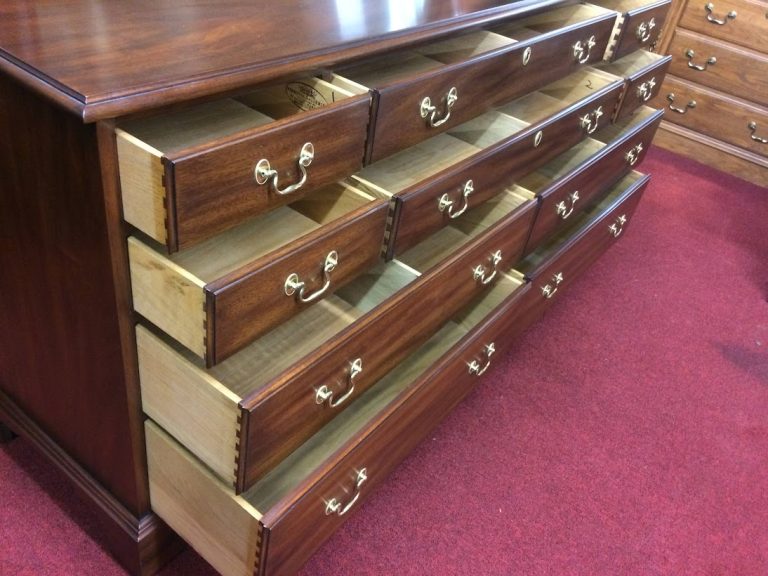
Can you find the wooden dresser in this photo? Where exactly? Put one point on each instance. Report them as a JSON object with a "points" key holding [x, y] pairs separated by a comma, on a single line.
{"points": [[246, 270], [717, 91]]}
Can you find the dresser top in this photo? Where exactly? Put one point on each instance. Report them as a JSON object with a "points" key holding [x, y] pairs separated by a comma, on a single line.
{"points": [[107, 58]]}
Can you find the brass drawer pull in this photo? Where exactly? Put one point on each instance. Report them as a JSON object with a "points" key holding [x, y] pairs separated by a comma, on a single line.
{"points": [[527, 55], [562, 209], [709, 7], [264, 172], [643, 31], [618, 226], [753, 128], [293, 285], [325, 394], [474, 366], [479, 272], [691, 105], [700, 67], [445, 203], [645, 90], [429, 111], [590, 120], [583, 50], [634, 154], [550, 289], [333, 506]]}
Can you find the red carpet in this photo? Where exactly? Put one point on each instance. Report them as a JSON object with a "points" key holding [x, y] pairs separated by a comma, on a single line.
{"points": [[627, 433]]}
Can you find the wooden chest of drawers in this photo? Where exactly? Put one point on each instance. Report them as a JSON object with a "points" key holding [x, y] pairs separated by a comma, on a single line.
{"points": [[300, 262], [717, 91]]}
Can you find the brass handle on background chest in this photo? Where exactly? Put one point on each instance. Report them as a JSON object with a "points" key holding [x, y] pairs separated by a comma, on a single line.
{"points": [[334, 506], [645, 90], [429, 111], [753, 128], [634, 154], [550, 289], [562, 209], [294, 285], [690, 106], [445, 203], [475, 368], [480, 273], [618, 226], [583, 50], [590, 121], [643, 31], [265, 173], [690, 54], [709, 7], [325, 395]]}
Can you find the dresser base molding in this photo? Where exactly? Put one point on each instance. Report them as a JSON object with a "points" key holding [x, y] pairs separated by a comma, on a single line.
{"points": [[714, 153], [141, 545]]}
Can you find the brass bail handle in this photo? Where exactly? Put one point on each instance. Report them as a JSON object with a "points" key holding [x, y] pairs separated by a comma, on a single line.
{"points": [[589, 121], [264, 173], [563, 210], [334, 506], [618, 226], [550, 289], [583, 50], [709, 7], [475, 368], [644, 30], [645, 90], [429, 111], [752, 126], [325, 395], [634, 154], [690, 54], [294, 285], [445, 203], [479, 272], [690, 106]]}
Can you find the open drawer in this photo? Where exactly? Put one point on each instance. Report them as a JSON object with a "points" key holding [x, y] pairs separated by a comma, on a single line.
{"points": [[276, 525], [189, 174], [427, 90], [435, 181], [217, 296], [576, 179], [245, 415], [644, 73], [639, 24]]}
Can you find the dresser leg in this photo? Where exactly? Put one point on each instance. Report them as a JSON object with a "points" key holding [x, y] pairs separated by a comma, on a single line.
{"points": [[6, 434]]}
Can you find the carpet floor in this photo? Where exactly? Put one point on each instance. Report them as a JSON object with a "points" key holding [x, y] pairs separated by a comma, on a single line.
{"points": [[626, 433]]}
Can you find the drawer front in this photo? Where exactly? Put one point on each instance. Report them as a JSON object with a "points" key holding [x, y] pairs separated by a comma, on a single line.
{"points": [[641, 28], [298, 525], [721, 66], [643, 87], [737, 21], [718, 115], [587, 182], [286, 412], [417, 212], [555, 273], [254, 299], [480, 84], [213, 187]]}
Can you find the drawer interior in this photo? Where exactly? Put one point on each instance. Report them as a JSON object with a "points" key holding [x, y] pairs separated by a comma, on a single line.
{"points": [[564, 164], [549, 21], [448, 240], [623, 5], [632, 63], [237, 247], [624, 126]]}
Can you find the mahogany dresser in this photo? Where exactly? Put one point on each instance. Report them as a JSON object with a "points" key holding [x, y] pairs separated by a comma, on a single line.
{"points": [[717, 90], [245, 272]]}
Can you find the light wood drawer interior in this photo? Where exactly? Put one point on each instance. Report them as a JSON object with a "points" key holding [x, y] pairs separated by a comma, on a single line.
{"points": [[144, 144], [170, 290], [632, 64], [623, 127]]}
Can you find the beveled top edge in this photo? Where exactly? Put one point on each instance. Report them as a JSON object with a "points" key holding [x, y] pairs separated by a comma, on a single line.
{"points": [[118, 96]]}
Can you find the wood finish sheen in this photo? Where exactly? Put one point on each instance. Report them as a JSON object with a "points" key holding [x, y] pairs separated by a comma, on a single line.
{"points": [[131, 56], [747, 29], [628, 40]]}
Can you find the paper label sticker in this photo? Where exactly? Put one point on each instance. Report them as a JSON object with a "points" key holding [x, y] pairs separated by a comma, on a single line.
{"points": [[304, 96]]}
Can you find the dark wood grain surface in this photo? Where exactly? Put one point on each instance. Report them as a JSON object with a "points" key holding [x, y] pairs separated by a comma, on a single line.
{"points": [[632, 98], [629, 39], [101, 58]]}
